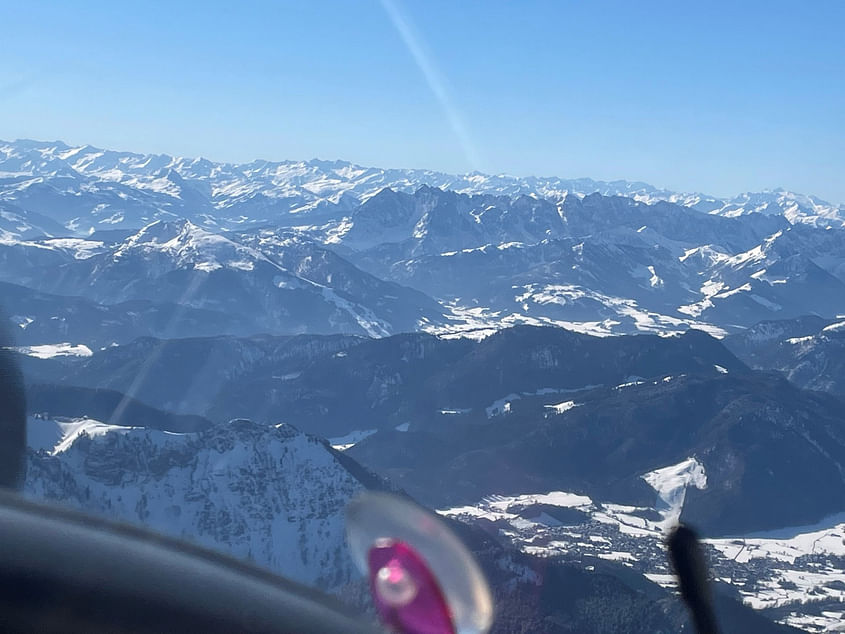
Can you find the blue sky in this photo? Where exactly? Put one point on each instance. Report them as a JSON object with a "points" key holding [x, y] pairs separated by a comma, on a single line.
{"points": [[714, 96]]}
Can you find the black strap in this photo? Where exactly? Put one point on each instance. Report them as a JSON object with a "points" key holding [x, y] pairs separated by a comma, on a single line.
{"points": [[687, 559]]}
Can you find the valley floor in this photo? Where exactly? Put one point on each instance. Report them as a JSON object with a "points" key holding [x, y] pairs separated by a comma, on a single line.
{"points": [[796, 576]]}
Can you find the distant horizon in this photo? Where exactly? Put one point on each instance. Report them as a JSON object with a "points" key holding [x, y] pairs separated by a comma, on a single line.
{"points": [[721, 97], [661, 188]]}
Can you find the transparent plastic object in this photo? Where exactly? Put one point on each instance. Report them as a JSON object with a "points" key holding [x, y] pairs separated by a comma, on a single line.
{"points": [[422, 577]]}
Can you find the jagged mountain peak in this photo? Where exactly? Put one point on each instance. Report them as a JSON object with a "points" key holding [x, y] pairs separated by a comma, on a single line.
{"points": [[599, 257], [267, 493], [311, 185], [190, 245]]}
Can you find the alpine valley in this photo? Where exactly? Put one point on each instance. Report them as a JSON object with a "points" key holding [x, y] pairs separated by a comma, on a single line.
{"points": [[564, 369]]}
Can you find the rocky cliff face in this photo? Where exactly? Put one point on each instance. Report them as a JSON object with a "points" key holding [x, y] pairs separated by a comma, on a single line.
{"points": [[273, 495]]}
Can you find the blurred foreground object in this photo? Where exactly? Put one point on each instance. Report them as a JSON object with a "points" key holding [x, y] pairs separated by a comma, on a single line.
{"points": [[688, 562], [422, 578]]}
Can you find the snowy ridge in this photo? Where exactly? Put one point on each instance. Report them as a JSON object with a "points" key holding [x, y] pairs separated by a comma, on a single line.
{"points": [[49, 351], [342, 443], [56, 436], [671, 485], [235, 194], [272, 495]]}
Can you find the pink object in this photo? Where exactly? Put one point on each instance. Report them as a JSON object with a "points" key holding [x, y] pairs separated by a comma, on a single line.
{"points": [[406, 593], [422, 578]]}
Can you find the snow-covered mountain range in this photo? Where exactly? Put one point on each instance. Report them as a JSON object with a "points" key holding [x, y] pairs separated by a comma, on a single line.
{"points": [[158, 303], [809, 351], [597, 264], [130, 189], [264, 282], [332, 247]]}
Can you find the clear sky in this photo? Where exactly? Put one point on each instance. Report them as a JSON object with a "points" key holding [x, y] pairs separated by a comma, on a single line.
{"points": [[713, 96]]}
